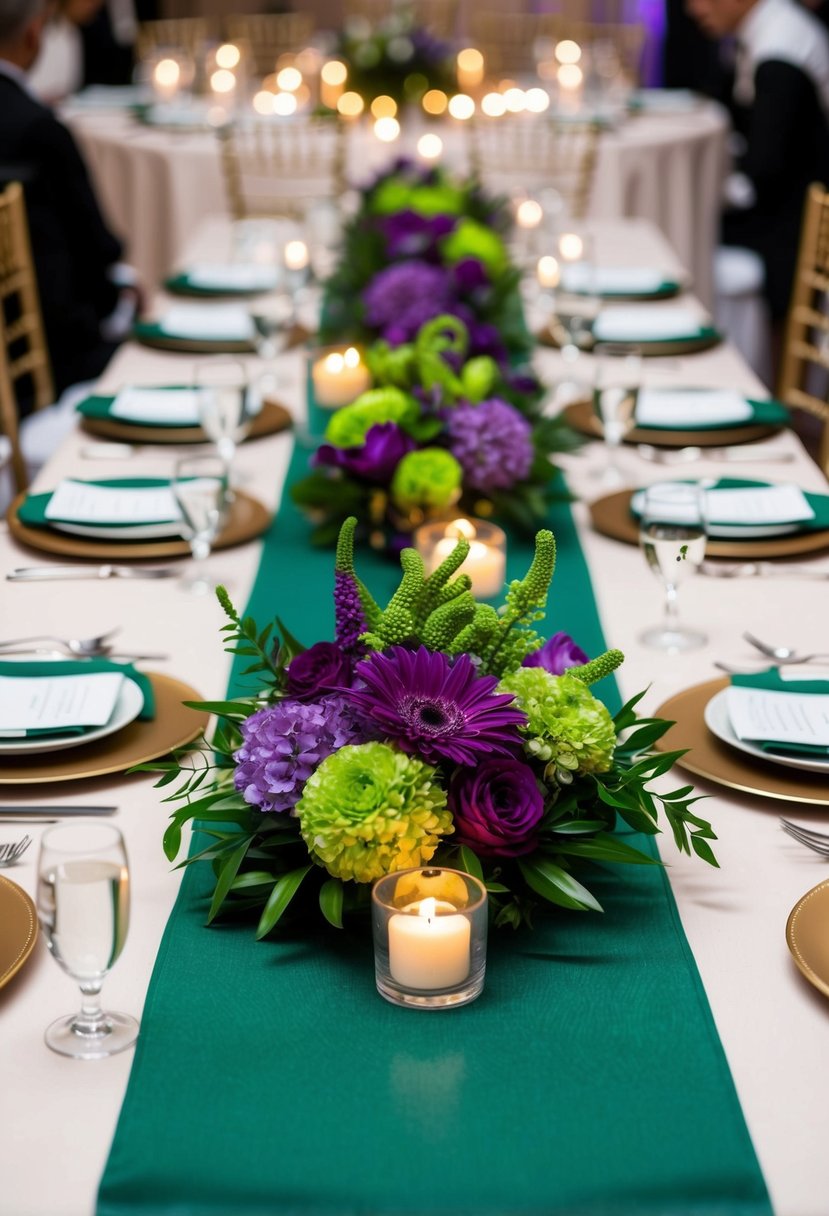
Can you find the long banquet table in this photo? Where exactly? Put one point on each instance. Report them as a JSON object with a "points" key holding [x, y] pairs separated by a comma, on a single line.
{"points": [[58, 1115]]}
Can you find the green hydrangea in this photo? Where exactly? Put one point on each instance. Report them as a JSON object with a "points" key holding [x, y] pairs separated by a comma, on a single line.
{"points": [[396, 194], [429, 479], [370, 809], [348, 427], [566, 725], [469, 239]]}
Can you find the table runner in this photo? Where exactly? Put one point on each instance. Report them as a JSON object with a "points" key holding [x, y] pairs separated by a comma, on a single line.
{"points": [[588, 1079]]}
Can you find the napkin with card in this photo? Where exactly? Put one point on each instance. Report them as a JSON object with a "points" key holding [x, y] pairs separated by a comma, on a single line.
{"points": [[740, 509], [219, 324], [46, 698], [224, 279], [610, 281], [121, 508], [704, 409], [163, 406], [780, 714], [650, 323]]}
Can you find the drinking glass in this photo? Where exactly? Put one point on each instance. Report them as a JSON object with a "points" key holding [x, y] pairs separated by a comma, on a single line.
{"points": [[672, 536], [83, 900], [618, 372], [273, 316], [228, 404], [201, 490], [573, 294]]}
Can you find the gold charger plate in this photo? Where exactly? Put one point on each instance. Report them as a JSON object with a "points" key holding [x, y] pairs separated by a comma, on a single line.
{"points": [[18, 928], [173, 726], [581, 417], [807, 938], [272, 419], [247, 519], [673, 346], [709, 757], [612, 517]]}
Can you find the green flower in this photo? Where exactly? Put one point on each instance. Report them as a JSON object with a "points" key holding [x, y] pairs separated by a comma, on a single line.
{"points": [[566, 725], [348, 427], [469, 239], [430, 478], [370, 809], [478, 377], [396, 194]]}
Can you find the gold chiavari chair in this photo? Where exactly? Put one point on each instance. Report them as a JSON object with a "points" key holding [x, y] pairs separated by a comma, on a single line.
{"points": [[274, 168], [24, 357], [187, 33], [625, 41], [439, 17], [266, 36], [508, 41], [532, 153], [805, 362]]}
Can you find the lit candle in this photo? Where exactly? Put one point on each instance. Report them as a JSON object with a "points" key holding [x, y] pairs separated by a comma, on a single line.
{"points": [[548, 272], [429, 946], [486, 563], [339, 377], [332, 82], [470, 69], [529, 213], [296, 255], [166, 78]]}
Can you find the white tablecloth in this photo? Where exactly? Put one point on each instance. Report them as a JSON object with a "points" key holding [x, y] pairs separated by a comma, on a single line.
{"points": [[58, 1115]]}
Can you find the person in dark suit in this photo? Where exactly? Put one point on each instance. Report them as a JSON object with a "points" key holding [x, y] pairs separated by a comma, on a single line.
{"points": [[86, 291]]}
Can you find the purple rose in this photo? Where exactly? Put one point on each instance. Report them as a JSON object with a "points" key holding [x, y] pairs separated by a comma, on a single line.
{"points": [[470, 275], [557, 654], [376, 459], [323, 668], [497, 807]]}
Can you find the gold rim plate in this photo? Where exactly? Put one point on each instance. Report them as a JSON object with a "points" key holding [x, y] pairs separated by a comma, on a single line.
{"points": [[612, 517], [18, 928], [807, 938], [247, 519], [173, 726], [710, 758], [580, 416], [272, 419]]}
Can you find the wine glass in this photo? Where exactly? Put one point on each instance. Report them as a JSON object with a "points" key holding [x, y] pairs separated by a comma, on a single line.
{"points": [[273, 316], [83, 900], [228, 404], [672, 536], [200, 487], [618, 372]]}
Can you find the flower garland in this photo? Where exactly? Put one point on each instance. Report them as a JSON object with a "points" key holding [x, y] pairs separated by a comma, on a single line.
{"points": [[432, 729]]}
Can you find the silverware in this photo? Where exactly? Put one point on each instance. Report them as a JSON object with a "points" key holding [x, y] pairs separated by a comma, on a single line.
{"points": [[783, 654], [108, 451], [731, 670], [23, 819], [748, 453], [818, 841], [10, 853], [106, 652], [24, 810], [34, 573], [760, 569], [82, 647]]}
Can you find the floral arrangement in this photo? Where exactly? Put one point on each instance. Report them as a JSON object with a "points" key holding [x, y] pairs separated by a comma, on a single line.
{"points": [[395, 58], [422, 245], [432, 730], [441, 429]]}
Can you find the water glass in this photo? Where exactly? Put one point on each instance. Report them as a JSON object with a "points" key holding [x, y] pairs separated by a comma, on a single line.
{"points": [[83, 900], [672, 535], [228, 404], [273, 316], [618, 373], [200, 485], [577, 299]]}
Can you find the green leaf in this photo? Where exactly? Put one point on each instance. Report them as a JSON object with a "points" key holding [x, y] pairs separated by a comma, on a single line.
{"points": [[290, 645], [704, 850], [226, 709], [251, 879], [172, 841], [469, 862], [284, 889], [331, 902], [579, 827], [556, 885], [605, 847], [227, 872]]}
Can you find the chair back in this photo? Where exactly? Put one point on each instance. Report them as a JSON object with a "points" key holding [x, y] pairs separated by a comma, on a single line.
{"points": [[611, 46], [527, 153], [511, 42], [804, 371], [266, 36], [439, 17], [276, 168], [24, 356], [188, 34]]}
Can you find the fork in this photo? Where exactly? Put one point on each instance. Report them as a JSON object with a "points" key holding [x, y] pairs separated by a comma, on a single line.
{"points": [[818, 841], [11, 853], [78, 646], [783, 654]]}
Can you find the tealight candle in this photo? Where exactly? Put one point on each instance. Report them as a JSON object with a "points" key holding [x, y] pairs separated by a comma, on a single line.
{"points": [[486, 561], [548, 272], [339, 377], [296, 255], [429, 945], [166, 78]]}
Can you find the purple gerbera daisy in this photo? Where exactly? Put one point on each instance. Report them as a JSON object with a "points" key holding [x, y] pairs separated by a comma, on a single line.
{"points": [[437, 707]]}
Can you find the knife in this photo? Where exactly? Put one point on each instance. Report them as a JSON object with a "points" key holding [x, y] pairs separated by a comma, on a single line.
{"points": [[35, 573], [21, 814]]}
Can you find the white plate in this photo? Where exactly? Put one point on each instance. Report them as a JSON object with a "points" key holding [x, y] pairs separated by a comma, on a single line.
{"points": [[730, 531], [125, 532], [127, 708], [719, 723]]}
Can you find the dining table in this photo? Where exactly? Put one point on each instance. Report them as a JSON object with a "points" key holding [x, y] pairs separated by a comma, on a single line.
{"points": [[59, 1115]]}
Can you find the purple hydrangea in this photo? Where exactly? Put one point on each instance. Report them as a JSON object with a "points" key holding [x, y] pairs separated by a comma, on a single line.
{"points": [[493, 444], [409, 235], [401, 298], [283, 745], [374, 460], [557, 654], [497, 807]]}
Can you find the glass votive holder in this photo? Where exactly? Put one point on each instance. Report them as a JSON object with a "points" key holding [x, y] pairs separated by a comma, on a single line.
{"points": [[338, 376], [486, 562], [429, 937]]}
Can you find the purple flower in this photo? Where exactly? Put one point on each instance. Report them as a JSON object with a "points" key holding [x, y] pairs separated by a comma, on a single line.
{"points": [[376, 459], [322, 668], [435, 707], [470, 275], [283, 745], [557, 654], [497, 808], [409, 235], [348, 612], [492, 442], [402, 297]]}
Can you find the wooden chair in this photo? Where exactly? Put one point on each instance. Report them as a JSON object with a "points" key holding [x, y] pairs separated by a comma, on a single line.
{"points": [[626, 40], [266, 36], [804, 371], [507, 41], [24, 357], [185, 33], [439, 17], [275, 168], [536, 153]]}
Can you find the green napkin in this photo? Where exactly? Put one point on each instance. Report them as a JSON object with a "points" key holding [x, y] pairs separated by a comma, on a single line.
{"points": [[705, 333], [85, 667], [99, 407], [818, 502], [152, 333], [182, 285], [771, 680], [32, 511], [763, 413], [668, 287]]}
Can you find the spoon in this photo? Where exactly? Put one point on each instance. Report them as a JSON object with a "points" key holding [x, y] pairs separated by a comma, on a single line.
{"points": [[783, 654], [80, 646]]}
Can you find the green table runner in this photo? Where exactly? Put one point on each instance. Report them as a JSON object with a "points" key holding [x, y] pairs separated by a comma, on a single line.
{"points": [[271, 1079]]}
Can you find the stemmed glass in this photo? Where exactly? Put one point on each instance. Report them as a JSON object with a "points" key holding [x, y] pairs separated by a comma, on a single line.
{"points": [[672, 536], [83, 900], [200, 485], [618, 373], [228, 404], [577, 299]]}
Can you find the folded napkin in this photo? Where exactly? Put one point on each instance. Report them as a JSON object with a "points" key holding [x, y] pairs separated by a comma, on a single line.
{"points": [[38, 511], [612, 281], [220, 279], [650, 323], [50, 669], [793, 717], [220, 324], [704, 410], [736, 503], [167, 406]]}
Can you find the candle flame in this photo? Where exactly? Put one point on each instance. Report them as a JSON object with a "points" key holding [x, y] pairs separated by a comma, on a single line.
{"points": [[351, 358], [167, 73], [334, 363], [428, 907], [461, 527]]}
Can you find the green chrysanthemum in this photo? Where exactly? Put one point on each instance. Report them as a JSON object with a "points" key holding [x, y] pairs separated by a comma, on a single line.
{"points": [[348, 427], [370, 809], [469, 239], [429, 479], [396, 194], [566, 725]]}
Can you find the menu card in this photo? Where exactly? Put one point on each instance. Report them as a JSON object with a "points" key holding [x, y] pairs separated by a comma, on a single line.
{"points": [[232, 276], [784, 504], [612, 280], [173, 406], [85, 503], [688, 408], [645, 323], [229, 322], [55, 704], [779, 717]]}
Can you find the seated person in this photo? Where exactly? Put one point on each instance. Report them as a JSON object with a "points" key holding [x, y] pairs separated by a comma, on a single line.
{"points": [[780, 111], [86, 293], [59, 68]]}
